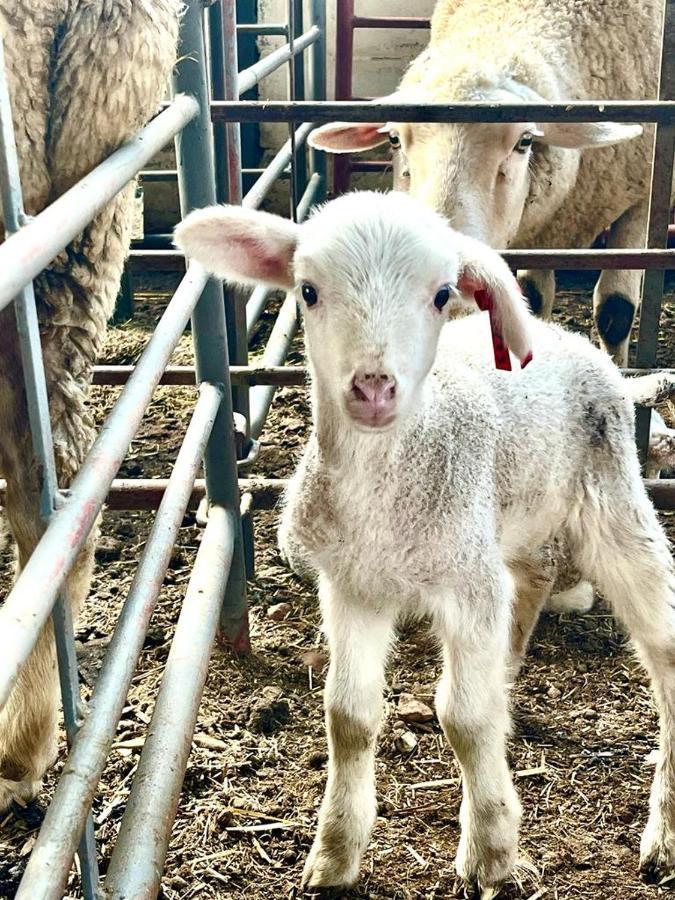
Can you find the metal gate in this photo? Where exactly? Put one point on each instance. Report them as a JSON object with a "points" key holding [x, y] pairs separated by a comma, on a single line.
{"points": [[216, 595]]}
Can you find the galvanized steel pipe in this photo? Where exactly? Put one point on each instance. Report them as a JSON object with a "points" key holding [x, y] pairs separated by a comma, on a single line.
{"points": [[248, 78], [46, 874], [138, 859], [26, 253], [31, 599]]}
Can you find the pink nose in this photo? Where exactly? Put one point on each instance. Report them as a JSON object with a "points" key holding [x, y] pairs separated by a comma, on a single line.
{"points": [[373, 394]]}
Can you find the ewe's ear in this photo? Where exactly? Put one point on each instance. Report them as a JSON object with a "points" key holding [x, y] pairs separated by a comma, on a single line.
{"points": [[352, 137], [240, 245], [348, 137], [585, 135], [573, 135], [485, 277]]}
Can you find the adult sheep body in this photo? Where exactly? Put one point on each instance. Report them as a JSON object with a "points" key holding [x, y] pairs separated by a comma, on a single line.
{"points": [[83, 77], [548, 185], [431, 483]]}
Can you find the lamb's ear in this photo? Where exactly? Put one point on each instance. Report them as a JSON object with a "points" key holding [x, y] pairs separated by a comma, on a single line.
{"points": [[484, 276], [240, 245]]}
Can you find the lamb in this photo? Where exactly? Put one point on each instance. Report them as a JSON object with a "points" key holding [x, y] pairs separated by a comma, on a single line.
{"points": [[422, 491], [549, 185], [83, 77]]}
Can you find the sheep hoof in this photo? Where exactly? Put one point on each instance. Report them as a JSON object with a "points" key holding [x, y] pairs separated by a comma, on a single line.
{"points": [[657, 853], [19, 792], [579, 598], [326, 871]]}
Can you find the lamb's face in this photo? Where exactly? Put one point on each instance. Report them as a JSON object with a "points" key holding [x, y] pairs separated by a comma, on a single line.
{"points": [[376, 289], [377, 276]]}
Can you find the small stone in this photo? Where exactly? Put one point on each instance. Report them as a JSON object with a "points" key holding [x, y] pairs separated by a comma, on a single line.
{"points": [[553, 693], [317, 759], [270, 712], [108, 549], [412, 710], [405, 741], [313, 659], [279, 612]]}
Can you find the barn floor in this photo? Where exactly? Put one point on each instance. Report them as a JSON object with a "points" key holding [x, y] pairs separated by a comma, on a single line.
{"points": [[584, 721]]}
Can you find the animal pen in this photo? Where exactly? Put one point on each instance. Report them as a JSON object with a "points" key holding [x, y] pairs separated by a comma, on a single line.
{"points": [[222, 323]]}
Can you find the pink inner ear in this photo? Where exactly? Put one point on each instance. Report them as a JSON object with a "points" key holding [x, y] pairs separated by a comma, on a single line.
{"points": [[255, 260], [351, 137]]}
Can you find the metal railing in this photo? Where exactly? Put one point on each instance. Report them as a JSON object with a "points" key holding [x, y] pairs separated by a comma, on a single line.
{"points": [[216, 594], [222, 324]]}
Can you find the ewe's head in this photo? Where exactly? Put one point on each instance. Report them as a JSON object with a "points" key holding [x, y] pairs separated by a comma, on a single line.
{"points": [[376, 276], [482, 177]]}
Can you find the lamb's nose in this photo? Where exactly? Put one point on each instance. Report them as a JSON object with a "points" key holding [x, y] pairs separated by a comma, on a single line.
{"points": [[377, 389]]}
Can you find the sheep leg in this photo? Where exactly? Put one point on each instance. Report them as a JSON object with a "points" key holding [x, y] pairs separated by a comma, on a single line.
{"points": [[533, 579], [538, 287], [629, 559], [617, 293], [28, 722], [359, 640], [472, 707]]}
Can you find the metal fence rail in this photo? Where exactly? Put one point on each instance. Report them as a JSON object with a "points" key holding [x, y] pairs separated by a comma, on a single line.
{"points": [[217, 592], [222, 325]]}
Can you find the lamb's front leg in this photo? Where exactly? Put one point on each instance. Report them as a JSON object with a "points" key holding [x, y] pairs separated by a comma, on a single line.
{"points": [[358, 640], [471, 702]]}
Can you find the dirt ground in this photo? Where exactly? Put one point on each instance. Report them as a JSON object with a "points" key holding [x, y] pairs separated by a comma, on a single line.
{"points": [[584, 720]]}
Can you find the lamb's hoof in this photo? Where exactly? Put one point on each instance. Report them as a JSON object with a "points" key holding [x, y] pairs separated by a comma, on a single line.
{"points": [[20, 793], [328, 872], [579, 599], [657, 855]]}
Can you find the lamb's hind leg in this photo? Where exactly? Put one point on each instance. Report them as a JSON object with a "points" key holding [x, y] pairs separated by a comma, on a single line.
{"points": [[359, 640], [472, 706], [620, 545], [533, 579]]}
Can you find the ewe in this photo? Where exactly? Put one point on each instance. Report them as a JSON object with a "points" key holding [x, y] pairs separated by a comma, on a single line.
{"points": [[83, 76], [532, 184], [429, 485]]}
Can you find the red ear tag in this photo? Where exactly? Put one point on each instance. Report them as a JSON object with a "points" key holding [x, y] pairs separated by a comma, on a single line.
{"points": [[484, 302]]}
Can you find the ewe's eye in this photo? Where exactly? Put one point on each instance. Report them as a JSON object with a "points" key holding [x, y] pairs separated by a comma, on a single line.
{"points": [[309, 294], [442, 297], [524, 143], [394, 140]]}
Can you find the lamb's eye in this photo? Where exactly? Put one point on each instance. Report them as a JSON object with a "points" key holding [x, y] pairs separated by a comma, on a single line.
{"points": [[394, 140], [309, 294], [442, 297], [524, 143]]}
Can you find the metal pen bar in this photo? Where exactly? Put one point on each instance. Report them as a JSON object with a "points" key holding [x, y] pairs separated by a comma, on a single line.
{"points": [[297, 92], [353, 111], [318, 160], [390, 22], [194, 152], [30, 601], [248, 78], [255, 307], [658, 222], [26, 253], [147, 493], [262, 29], [138, 858], [522, 259], [35, 385], [46, 874]]}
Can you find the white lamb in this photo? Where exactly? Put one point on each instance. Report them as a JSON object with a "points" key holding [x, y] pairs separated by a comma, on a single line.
{"points": [[429, 484]]}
